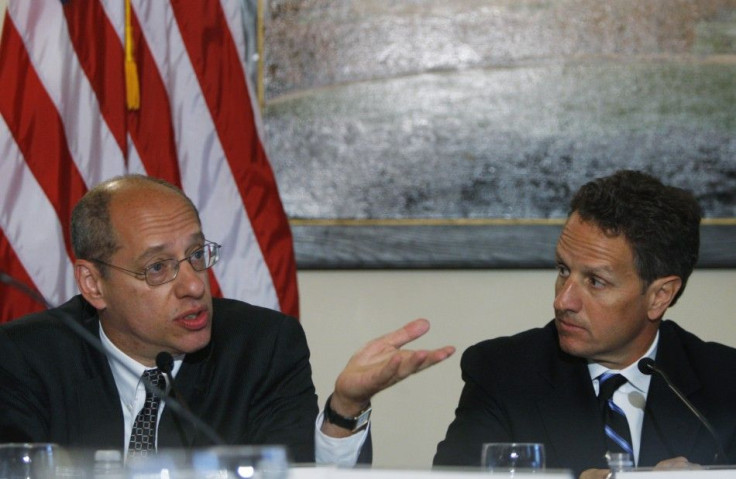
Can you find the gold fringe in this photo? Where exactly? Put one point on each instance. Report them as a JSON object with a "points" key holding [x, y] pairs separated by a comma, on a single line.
{"points": [[132, 88]]}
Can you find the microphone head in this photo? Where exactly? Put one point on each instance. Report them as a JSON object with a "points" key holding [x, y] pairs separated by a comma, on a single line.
{"points": [[647, 366], [165, 362]]}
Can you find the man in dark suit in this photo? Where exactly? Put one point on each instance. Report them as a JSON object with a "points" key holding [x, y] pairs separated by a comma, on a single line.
{"points": [[141, 268], [623, 258]]}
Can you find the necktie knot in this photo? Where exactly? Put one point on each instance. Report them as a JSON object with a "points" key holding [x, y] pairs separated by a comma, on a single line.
{"points": [[155, 377], [608, 383]]}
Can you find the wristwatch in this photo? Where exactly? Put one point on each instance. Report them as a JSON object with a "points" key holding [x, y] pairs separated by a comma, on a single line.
{"points": [[350, 423]]}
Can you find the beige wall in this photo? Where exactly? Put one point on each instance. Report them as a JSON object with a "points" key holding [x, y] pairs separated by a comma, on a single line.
{"points": [[341, 310], [3, 6]]}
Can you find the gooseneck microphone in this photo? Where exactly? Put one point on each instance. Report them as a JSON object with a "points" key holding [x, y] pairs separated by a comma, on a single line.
{"points": [[174, 403], [31, 293], [648, 366], [165, 362]]}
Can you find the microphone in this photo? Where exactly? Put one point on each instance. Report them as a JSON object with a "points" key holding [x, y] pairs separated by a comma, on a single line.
{"points": [[165, 362], [92, 340], [648, 366]]}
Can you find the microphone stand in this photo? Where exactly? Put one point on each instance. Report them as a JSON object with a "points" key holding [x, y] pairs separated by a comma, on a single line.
{"points": [[649, 367]]}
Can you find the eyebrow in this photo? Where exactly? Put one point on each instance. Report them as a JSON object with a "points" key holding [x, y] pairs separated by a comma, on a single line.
{"points": [[588, 270], [599, 271], [153, 250]]}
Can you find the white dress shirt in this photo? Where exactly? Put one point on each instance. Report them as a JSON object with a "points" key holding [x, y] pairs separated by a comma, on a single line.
{"points": [[631, 397], [127, 372]]}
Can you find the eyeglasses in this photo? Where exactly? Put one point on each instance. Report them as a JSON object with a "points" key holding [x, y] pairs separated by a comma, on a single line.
{"points": [[165, 271]]}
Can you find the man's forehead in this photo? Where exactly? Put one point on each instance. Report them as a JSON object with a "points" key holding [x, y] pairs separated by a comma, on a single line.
{"points": [[146, 195], [587, 240], [148, 210]]}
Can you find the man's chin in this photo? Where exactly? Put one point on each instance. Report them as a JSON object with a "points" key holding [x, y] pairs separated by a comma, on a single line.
{"points": [[573, 347], [195, 341]]}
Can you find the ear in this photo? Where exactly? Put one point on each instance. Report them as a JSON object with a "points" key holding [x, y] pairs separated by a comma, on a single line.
{"points": [[662, 292], [89, 281]]}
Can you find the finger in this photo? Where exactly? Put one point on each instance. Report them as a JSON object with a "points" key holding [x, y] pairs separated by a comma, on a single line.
{"points": [[400, 366], [439, 355], [407, 333], [421, 360], [388, 374], [411, 362], [417, 361]]}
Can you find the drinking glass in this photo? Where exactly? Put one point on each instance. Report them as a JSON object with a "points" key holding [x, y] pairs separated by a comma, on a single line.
{"points": [[28, 460], [256, 462], [513, 456]]}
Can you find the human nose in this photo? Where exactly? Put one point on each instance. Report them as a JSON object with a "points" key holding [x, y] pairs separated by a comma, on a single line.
{"points": [[190, 282], [567, 297]]}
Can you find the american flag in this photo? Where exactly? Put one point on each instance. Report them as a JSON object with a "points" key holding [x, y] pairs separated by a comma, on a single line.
{"points": [[185, 112]]}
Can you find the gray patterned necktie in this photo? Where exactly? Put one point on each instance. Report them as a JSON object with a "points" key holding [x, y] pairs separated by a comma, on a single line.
{"points": [[143, 436]]}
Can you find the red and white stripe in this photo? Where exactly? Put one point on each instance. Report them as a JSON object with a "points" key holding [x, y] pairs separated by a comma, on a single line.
{"points": [[64, 127]]}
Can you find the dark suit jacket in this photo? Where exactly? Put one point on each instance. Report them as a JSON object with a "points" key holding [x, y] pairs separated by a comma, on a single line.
{"points": [[525, 389], [252, 383]]}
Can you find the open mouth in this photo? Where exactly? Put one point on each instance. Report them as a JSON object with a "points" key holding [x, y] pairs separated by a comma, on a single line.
{"points": [[194, 321]]}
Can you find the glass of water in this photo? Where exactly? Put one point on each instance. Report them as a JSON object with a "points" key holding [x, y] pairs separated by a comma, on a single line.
{"points": [[513, 456], [29, 460]]}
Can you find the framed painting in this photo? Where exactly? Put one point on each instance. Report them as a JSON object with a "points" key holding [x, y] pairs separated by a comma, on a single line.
{"points": [[434, 134]]}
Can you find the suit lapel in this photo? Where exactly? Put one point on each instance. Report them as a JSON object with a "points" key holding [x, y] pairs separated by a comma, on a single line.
{"points": [[99, 412], [175, 430], [571, 416], [669, 427]]}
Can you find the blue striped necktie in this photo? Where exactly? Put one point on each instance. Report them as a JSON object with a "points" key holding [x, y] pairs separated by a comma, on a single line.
{"points": [[618, 434]]}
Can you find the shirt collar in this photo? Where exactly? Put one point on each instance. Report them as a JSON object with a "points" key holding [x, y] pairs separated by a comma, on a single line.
{"points": [[636, 378], [127, 371]]}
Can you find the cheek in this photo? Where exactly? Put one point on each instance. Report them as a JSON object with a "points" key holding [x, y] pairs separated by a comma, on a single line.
{"points": [[624, 305], [601, 315], [141, 308], [615, 318]]}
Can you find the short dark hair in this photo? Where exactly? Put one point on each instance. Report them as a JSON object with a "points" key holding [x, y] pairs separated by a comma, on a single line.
{"points": [[660, 222], [92, 234]]}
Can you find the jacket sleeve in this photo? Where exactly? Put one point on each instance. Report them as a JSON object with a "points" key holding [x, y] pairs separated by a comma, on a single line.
{"points": [[284, 406]]}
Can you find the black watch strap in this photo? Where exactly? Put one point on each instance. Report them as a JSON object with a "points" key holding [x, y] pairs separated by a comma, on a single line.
{"points": [[349, 423]]}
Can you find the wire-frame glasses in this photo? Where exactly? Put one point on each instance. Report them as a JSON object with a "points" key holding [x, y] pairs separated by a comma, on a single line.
{"points": [[164, 271]]}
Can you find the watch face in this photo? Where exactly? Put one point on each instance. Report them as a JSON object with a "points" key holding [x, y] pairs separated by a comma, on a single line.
{"points": [[363, 419]]}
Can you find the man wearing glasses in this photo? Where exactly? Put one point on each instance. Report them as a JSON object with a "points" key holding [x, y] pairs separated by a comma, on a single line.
{"points": [[243, 370]]}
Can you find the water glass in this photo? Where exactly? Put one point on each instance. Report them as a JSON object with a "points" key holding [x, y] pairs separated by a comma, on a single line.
{"points": [[513, 457], [28, 460], [256, 462]]}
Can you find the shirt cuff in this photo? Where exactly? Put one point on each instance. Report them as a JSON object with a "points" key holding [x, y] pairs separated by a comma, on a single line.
{"points": [[340, 451]]}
